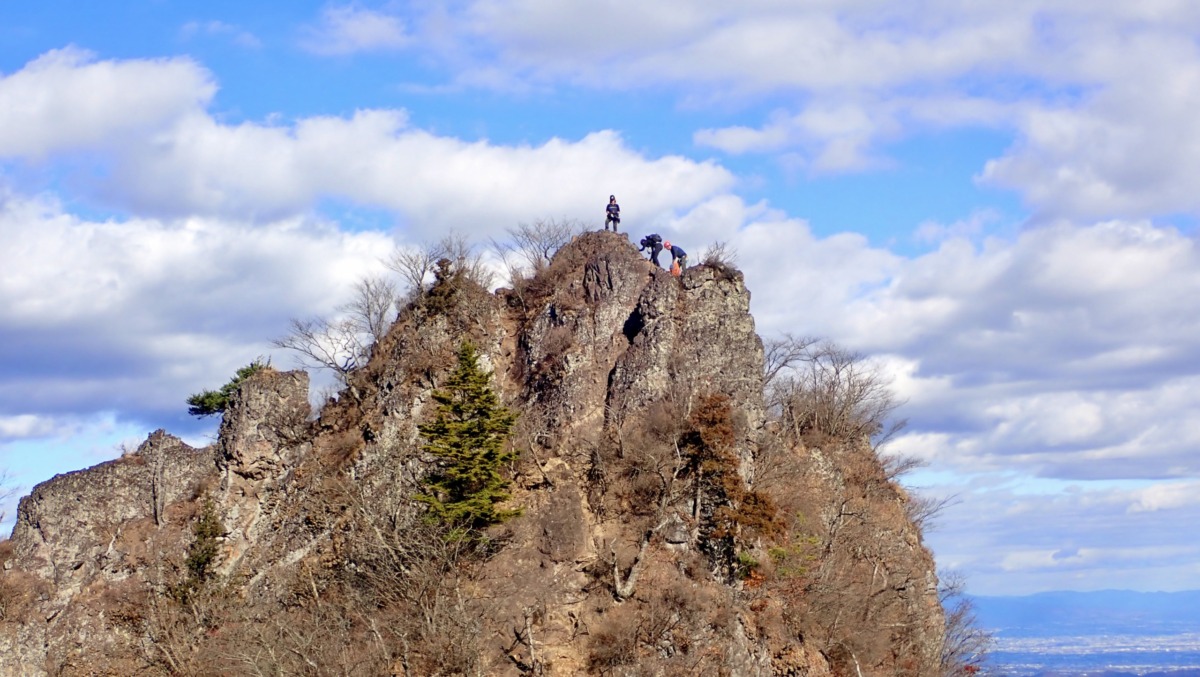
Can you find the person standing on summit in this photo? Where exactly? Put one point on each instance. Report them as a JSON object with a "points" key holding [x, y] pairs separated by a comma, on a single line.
{"points": [[612, 213]]}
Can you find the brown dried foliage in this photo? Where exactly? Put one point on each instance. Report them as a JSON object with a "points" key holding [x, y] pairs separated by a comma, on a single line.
{"points": [[743, 514], [670, 629]]}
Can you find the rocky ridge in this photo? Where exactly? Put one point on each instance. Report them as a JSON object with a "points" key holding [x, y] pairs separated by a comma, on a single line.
{"points": [[635, 553]]}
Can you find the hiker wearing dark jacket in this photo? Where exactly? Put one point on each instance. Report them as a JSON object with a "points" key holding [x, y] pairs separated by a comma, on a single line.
{"points": [[653, 242], [677, 254], [612, 213]]}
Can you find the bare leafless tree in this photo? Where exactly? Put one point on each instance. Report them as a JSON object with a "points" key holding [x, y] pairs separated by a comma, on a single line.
{"points": [[464, 258], [416, 265], [414, 569], [721, 254], [344, 343], [896, 465], [784, 353], [833, 391], [535, 244], [372, 307], [966, 644], [527, 252], [337, 345], [7, 490], [922, 509]]}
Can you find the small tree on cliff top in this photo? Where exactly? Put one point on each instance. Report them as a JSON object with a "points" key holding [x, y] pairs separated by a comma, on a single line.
{"points": [[211, 402], [469, 436]]}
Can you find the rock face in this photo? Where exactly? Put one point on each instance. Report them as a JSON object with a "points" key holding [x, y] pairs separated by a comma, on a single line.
{"points": [[66, 527], [81, 536], [665, 527]]}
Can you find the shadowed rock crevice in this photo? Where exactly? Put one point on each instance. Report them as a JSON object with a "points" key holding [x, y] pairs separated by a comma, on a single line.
{"points": [[633, 326]]}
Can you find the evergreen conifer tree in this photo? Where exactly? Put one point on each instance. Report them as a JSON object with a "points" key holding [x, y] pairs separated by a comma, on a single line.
{"points": [[469, 436], [211, 402]]}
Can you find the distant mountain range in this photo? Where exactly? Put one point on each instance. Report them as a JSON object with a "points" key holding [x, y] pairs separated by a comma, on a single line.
{"points": [[1104, 612]]}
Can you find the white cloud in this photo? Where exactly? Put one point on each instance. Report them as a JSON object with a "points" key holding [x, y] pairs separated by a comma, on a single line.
{"points": [[754, 46], [1014, 539], [375, 159], [837, 137], [1166, 496], [348, 29], [66, 101], [25, 425], [1128, 149], [799, 282], [1075, 290], [238, 35], [1069, 350], [176, 160], [1097, 137], [838, 134], [143, 312]]}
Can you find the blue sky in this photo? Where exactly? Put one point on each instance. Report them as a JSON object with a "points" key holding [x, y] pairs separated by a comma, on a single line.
{"points": [[994, 200]]}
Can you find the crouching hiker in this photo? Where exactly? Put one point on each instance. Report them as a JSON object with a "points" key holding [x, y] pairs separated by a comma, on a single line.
{"points": [[678, 258], [612, 213], [654, 243]]}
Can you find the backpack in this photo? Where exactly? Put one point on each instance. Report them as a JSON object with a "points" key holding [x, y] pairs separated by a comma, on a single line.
{"points": [[654, 238]]}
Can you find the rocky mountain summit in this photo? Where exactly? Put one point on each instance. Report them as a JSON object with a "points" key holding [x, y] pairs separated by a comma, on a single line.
{"points": [[669, 522]]}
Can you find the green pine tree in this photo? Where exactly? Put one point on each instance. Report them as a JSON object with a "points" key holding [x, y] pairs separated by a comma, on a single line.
{"points": [[212, 402], [469, 436], [201, 554]]}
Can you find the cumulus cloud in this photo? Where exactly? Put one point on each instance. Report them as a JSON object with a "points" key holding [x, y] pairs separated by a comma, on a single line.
{"points": [[837, 137], [25, 425], [65, 100], [1166, 496], [375, 159], [1010, 539], [183, 161], [1128, 149], [800, 282], [1097, 137], [139, 313], [348, 29], [754, 46], [1065, 351], [833, 134], [1069, 349]]}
